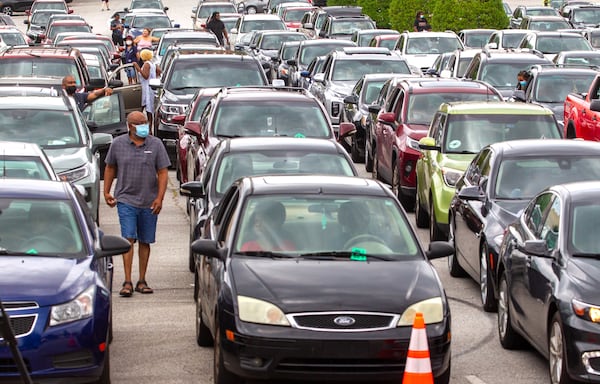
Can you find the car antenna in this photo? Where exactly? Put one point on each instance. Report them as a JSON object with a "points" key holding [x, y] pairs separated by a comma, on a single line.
{"points": [[9, 338]]}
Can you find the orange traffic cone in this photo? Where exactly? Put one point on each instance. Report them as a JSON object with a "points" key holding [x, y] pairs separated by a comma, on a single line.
{"points": [[418, 364]]}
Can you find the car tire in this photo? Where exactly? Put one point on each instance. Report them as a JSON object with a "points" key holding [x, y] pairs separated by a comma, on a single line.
{"points": [[220, 374], [203, 336], [454, 267], [407, 202], [509, 338], [251, 10], [435, 233], [355, 152], [105, 375], [421, 218], [7, 10], [557, 357], [191, 255], [485, 281], [368, 159]]}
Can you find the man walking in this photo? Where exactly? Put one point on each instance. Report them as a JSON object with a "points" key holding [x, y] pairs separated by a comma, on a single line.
{"points": [[140, 163], [216, 26]]}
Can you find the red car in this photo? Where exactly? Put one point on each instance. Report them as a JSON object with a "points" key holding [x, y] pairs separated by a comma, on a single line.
{"points": [[405, 118]]}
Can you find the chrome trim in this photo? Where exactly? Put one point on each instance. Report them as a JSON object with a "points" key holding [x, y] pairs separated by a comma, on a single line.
{"points": [[35, 318], [585, 359], [393, 322], [12, 305]]}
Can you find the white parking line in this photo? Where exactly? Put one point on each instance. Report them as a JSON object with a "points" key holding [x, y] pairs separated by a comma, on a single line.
{"points": [[474, 380]]}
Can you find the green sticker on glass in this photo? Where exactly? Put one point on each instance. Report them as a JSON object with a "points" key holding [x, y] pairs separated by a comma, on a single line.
{"points": [[32, 251], [299, 136], [358, 254]]}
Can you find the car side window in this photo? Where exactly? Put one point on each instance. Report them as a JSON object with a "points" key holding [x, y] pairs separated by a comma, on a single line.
{"points": [[205, 118], [391, 100], [400, 44], [397, 107], [536, 211], [473, 68], [229, 214], [551, 226], [480, 163], [434, 129]]}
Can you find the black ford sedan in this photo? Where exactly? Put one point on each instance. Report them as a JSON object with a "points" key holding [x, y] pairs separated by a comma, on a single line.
{"points": [[549, 281], [500, 182], [295, 279]]}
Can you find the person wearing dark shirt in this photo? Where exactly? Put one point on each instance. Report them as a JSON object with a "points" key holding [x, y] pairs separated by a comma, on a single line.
{"points": [[69, 84], [116, 26], [216, 26], [421, 23]]}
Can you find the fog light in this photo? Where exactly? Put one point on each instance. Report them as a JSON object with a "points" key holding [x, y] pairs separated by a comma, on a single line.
{"points": [[252, 362]]}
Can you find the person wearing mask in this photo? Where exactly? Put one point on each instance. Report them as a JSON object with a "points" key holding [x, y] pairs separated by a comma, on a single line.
{"points": [[522, 80], [140, 163], [82, 98], [129, 56], [421, 24], [148, 71], [216, 26], [116, 26]]}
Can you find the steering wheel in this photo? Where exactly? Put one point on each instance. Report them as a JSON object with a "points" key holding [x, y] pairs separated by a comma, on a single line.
{"points": [[48, 244], [364, 238]]}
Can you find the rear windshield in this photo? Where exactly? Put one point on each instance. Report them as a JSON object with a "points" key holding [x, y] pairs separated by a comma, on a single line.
{"points": [[187, 77], [262, 25], [39, 67]]}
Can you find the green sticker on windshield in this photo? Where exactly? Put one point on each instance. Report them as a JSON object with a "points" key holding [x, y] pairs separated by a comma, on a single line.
{"points": [[299, 135], [32, 251], [358, 254]]}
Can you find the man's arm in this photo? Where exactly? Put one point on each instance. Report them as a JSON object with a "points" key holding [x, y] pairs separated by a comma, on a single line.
{"points": [[163, 177], [109, 175], [93, 95]]}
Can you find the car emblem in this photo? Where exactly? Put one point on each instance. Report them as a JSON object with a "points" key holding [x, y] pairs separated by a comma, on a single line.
{"points": [[344, 321]]}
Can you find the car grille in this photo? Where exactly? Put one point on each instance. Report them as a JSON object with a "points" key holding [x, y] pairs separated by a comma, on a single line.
{"points": [[21, 324], [340, 365], [344, 321]]}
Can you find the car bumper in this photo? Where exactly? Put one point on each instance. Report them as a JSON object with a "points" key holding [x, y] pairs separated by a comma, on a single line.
{"points": [[280, 353], [168, 134], [407, 163], [442, 199], [583, 349]]}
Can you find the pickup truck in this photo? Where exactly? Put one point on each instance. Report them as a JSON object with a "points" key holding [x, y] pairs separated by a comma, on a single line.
{"points": [[582, 113]]}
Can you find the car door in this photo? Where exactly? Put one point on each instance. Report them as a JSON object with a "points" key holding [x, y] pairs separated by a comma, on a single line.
{"points": [[429, 158], [590, 124], [469, 218], [389, 136], [132, 94], [520, 261], [204, 144], [107, 115], [382, 141]]}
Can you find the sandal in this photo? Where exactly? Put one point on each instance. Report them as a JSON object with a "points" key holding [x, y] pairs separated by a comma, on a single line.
{"points": [[127, 289], [142, 287]]}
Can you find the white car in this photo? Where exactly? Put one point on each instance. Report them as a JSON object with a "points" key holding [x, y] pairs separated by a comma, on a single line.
{"points": [[20, 160], [256, 22], [422, 48]]}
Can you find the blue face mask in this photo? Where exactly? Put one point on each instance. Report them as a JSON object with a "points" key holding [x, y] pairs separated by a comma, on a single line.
{"points": [[142, 130], [523, 83]]}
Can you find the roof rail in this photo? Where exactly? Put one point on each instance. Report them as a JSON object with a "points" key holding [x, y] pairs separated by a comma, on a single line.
{"points": [[366, 50]]}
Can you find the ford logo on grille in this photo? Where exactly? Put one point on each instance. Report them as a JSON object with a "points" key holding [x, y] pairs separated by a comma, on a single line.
{"points": [[344, 321]]}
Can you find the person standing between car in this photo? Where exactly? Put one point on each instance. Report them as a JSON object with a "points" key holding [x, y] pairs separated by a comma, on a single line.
{"points": [[421, 23], [82, 98], [148, 71], [144, 41], [105, 5], [216, 26], [116, 26], [130, 56], [139, 162]]}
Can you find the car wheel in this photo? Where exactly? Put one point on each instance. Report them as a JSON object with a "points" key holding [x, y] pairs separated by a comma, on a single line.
{"points": [[220, 373], [251, 10], [203, 336], [7, 10], [509, 338], [368, 158], [406, 201], [105, 376], [435, 233], [557, 359], [485, 281], [453, 265], [421, 218], [355, 152]]}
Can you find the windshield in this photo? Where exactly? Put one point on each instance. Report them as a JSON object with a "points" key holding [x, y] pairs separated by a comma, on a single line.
{"points": [[23, 167], [34, 67], [49, 5], [582, 240], [562, 43], [54, 30], [187, 76], [422, 107], [549, 25], [294, 14], [477, 40], [39, 227], [151, 22], [512, 40], [583, 60], [503, 75], [353, 70], [348, 27], [262, 25], [270, 162], [365, 38], [207, 10], [468, 133], [40, 18], [432, 45], [554, 89], [358, 226], [268, 118], [524, 178], [289, 52], [48, 129], [14, 38], [308, 53], [586, 15], [273, 42]]}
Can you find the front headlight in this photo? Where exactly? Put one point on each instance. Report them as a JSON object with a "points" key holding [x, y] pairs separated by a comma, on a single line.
{"points": [[79, 308], [412, 143], [451, 176], [253, 310], [586, 311], [171, 109], [432, 310], [76, 174]]}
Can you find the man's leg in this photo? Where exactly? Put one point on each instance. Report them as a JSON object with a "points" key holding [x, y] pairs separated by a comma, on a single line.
{"points": [[128, 222], [128, 261], [146, 235], [144, 251]]}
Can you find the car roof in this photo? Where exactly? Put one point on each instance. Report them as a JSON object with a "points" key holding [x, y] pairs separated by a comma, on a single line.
{"points": [[425, 35], [260, 16], [332, 42], [511, 56], [233, 56], [494, 107], [68, 22], [378, 76], [436, 84], [34, 189], [258, 144], [17, 148], [314, 184], [266, 93], [566, 70], [542, 147]]}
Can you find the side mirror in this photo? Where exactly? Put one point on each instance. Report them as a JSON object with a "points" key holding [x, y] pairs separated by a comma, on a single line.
{"points": [[96, 83], [71, 11], [193, 127], [319, 77], [346, 129], [193, 189], [535, 247], [100, 140], [428, 143], [304, 74], [292, 62], [178, 119], [595, 105], [439, 249], [176, 25], [252, 46], [92, 126], [374, 108], [308, 26], [471, 194], [351, 99], [165, 9], [209, 248], [233, 30], [491, 46], [112, 246], [387, 118], [155, 84]]}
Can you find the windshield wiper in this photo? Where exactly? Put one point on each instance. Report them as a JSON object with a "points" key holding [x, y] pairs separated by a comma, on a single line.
{"points": [[273, 255], [228, 136], [335, 254], [461, 152], [588, 255], [183, 88]]}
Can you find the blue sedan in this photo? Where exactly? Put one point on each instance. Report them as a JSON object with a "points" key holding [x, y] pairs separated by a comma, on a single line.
{"points": [[55, 282]]}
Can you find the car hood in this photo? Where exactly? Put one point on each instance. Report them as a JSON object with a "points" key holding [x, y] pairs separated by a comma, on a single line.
{"points": [[585, 274], [508, 210], [421, 61], [310, 285], [417, 131], [343, 87], [49, 280], [557, 108], [456, 161], [64, 159]]}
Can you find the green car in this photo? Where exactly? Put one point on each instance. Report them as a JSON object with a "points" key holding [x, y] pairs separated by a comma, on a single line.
{"points": [[457, 133]]}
